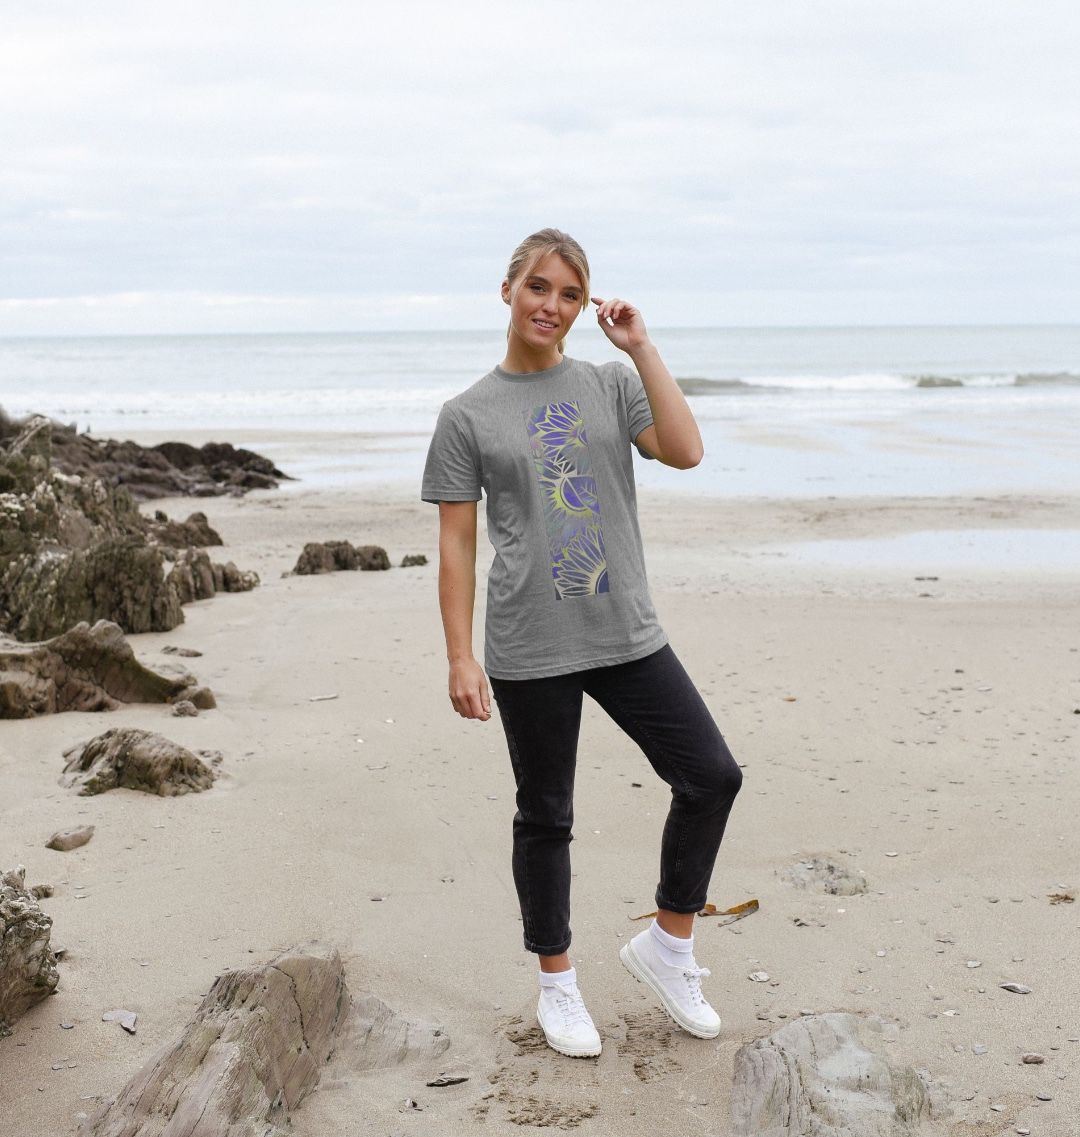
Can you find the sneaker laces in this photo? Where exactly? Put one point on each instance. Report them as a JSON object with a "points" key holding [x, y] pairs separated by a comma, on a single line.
{"points": [[694, 976], [570, 1005]]}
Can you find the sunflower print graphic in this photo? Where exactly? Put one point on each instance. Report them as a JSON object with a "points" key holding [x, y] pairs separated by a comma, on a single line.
{"points": [[560, 452]]}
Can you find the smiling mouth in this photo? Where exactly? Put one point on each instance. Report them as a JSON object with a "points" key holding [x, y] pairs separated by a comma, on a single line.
{"points": [[545, 325]]}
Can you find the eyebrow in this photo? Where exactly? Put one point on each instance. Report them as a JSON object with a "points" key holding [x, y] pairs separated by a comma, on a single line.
{"points": [[544, 280]]}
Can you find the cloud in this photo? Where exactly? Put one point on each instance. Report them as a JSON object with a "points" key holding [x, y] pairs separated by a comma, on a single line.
{"points": [[824, 151]]}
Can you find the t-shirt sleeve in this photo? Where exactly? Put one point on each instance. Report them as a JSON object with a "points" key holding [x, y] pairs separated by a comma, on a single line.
{"points": [[638, 412], [452, 469]]}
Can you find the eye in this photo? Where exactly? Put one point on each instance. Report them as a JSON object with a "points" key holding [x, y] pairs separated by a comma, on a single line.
{"points": [[537, 287]]}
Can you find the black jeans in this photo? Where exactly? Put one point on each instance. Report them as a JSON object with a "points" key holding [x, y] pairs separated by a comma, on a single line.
{"points": [[656, 704]]}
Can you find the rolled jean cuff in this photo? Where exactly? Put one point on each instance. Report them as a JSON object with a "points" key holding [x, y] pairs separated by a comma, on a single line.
{"points": [[683, 909], [543, 949]]}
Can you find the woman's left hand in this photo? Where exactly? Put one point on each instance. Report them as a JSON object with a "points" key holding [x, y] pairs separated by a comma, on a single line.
{"points": [[621, 322]]}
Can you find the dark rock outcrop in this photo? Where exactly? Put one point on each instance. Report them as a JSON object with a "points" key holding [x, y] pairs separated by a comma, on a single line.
{"points": [[171, 469], [254, 1050], [85, 669], [137, 760], [27, 964], [336, 556], [828, 1075], [74, 547]]}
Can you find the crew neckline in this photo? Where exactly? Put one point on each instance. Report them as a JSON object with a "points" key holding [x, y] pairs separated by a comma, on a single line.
{"points": [[533, 376]]}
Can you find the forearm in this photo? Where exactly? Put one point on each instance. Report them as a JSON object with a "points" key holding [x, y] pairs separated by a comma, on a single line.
{"points": [[457, 592], [676, 428]]}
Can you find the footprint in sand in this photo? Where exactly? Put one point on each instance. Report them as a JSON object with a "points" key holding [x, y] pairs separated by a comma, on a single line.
{"points": [[648, 1044], [532, 1085]]}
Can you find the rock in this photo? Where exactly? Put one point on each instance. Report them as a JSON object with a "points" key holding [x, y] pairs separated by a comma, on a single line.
{"points": [[825, 874], [171, 469], [375, 1037], [185, 708], [411, 560], [85, 669], [326, 556], [337, 556], [251, 1054], [186, 652], [27, 965], [67, 839], [74, 546], [137, 760], [1033, 1059], [196, 530], [125, 1018], [827, 1075]]}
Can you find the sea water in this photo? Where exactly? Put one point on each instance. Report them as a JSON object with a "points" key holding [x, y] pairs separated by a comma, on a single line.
{"points": [[783, 411]]}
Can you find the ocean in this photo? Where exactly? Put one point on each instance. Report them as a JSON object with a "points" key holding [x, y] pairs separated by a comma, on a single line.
{"points": [[783, 411]]}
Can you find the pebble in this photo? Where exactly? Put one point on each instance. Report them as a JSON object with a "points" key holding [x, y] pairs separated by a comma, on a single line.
{"points": [[1032, 1059], [1023, 1130], [997, 1108], [1017, 988], [1044, 1097], [125, 1018], [980, 1048], [974, 963], [758, 976], [66, 1026]]}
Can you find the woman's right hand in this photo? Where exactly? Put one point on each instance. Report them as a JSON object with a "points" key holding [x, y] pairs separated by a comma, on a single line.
{"points": [[469, 690]]}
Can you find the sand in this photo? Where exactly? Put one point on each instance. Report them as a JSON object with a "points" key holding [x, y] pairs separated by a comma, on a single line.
{"points": [[922, 732]]}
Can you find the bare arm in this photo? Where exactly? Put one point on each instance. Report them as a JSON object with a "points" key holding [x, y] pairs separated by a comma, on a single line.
{"points": [[457, 593], [673, 438]]}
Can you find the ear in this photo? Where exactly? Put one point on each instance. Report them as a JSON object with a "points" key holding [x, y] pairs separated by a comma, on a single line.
{"points": [[505, 291]]}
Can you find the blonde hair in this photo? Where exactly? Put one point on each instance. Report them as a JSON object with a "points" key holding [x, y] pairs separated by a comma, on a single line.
{"points": [[541, 244]]}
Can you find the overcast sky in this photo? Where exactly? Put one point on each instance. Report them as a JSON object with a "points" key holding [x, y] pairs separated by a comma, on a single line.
{"points": [[315, 166]]}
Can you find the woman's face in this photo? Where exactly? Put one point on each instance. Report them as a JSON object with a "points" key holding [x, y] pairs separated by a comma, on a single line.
{"points": [[545, 302]]}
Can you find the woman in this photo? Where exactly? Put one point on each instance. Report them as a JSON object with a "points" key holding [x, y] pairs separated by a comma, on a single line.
{"points": [[548, 439]]}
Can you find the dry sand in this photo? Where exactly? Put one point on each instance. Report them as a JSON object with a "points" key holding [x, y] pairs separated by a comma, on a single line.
{"points": [[924, 733]]}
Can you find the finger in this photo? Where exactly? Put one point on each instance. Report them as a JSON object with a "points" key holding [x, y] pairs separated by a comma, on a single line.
{"points": [[485, 699]]}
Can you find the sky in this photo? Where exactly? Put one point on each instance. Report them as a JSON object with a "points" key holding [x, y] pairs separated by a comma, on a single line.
{"points": [[270, 166]]}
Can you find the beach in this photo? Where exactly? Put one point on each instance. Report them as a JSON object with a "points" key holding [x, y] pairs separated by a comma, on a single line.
{"points": [[912, 715]]}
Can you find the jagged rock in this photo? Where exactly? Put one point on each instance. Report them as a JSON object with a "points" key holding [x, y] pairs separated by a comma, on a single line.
{"points": [[196, 530], [137, 760], [228, 578], [411, 560], [85, 669], [65, 840], [334, 556], [824, 874], [827, 1075], [192, 575], [253, 1051], [27, 966], [74, 546], [171, 469], [185, 709], [375, 1037], [326, 556], [122, 578]]}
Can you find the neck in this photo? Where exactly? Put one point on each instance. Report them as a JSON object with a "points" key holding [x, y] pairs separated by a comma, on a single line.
{"points": [[521, 358]]}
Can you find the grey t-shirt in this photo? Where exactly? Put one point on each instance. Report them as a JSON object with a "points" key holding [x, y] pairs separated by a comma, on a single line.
{"points": [[552, 452]]}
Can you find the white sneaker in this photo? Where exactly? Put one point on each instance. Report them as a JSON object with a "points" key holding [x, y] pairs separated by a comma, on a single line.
{"points": [[678, 988], [566, 1023]]}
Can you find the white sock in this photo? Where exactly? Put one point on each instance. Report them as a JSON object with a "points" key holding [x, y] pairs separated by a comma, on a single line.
{"points": [[550, 979], [673, 950]]}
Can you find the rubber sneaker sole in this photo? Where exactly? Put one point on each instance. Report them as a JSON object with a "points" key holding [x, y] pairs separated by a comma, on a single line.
{"points": [[640, 972], [569, 1049]]}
